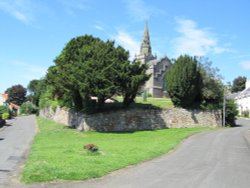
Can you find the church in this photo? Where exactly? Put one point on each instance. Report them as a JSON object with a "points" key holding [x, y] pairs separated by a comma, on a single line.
{"points": [[156, 85]]}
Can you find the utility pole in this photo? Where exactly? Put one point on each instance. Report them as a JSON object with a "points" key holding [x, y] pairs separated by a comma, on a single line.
{"points": [[224, 107]]}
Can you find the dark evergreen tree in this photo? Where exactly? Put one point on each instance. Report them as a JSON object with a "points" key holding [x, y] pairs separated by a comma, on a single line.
{"points": [[87, 67], [130, 79], [184, 82]]}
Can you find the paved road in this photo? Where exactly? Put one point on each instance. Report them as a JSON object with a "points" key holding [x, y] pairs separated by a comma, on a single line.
{"points": [[217, 159], [15, 140]]}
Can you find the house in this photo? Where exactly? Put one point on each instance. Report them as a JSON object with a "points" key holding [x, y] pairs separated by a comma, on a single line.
{"points": [[243, 99], [3, 98], [156, 85], [13, 107]]}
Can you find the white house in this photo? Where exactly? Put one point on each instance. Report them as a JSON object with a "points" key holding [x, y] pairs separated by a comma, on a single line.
{"points": [[3, 98], [243, 99]]}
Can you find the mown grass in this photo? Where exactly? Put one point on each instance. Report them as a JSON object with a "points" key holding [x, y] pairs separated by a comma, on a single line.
{"points": [[57, 152], [155, 102]]}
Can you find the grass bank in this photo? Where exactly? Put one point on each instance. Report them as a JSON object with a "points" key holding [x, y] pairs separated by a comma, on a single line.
{"points": [[57, 152], [155, 102]]}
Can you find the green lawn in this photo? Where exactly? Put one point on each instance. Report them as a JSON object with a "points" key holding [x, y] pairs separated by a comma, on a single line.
{"points": [[156, 102], [57, 152]]}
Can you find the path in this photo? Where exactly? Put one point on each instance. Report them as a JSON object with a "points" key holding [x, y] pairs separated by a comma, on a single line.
{"points": [[15, 140]]}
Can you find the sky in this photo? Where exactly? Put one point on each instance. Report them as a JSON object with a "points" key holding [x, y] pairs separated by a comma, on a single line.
{"points": [[34, 32]]}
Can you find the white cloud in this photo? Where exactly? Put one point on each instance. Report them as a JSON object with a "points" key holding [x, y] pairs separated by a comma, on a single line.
{"points": [[71, 6], [128, 42], [195, 41], [98, 27], [245, 65], [140, 11], [19, 9], [30, 69]]}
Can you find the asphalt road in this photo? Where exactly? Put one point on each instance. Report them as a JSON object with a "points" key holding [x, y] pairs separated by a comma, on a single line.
{"points": [[216, 159], [15, 140]]}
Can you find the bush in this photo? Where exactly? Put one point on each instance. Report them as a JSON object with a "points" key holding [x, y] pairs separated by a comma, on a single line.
{"points": [[28, 108], [47, 100], [4, 109], [245, 113], [5, 115], [231, 112]]}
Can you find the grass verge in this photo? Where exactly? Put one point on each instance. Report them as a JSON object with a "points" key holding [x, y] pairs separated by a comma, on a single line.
{"points": [[57, 152]]}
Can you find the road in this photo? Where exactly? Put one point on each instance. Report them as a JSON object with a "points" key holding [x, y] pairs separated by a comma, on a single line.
{"points": [[15, 140], [215, 159]]}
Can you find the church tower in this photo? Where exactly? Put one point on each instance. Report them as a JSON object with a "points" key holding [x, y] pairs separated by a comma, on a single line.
{"points": [[145, 52]]}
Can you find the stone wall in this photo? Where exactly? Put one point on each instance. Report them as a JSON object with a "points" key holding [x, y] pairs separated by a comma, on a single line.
{"points": [[134, 119]]}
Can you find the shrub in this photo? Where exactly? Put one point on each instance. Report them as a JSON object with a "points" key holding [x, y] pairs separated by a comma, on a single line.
{"points": [[5, 115], [231, 112], [28, 108], [245, 113], [4, 109]]}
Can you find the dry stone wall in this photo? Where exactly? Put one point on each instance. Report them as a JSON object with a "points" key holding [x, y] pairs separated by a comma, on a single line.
{"points": [[134, 119]]}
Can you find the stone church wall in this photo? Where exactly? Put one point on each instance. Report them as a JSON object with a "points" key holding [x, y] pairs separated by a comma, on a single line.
{"points": [[134, 119]]}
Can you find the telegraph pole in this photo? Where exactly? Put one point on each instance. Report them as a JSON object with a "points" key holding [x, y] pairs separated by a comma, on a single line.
{"points": [[224, 108]]}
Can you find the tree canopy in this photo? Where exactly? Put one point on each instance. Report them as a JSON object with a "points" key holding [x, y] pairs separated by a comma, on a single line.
{"points": [[16, 94], [192, 81], [239, 84], [183, 81], [88, 66]]}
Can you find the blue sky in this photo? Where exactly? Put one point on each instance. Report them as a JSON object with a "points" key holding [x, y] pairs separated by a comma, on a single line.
{"points": [[33, 32]]}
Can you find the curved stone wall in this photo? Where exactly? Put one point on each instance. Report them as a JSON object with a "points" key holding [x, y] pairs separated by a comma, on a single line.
{"points": [[134, 119]]}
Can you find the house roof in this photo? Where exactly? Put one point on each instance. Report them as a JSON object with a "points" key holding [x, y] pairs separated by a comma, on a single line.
{"points": [[4, 96], [243, 94]]}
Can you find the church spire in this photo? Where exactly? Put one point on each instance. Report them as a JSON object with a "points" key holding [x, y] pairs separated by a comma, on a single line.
{"points": [[145, 45]]}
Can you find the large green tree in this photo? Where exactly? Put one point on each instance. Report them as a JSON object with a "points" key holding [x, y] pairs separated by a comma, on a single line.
{"points": [[130, 79], [212, 86], [36, 88], [239, 84], [184, 81], [16, 94], [87, 67]]}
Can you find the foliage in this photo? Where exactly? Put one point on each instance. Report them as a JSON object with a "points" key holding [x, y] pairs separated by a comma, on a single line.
{"points": [[4, 109], [212, 86], [130, 79], [16, 94], [36, 88], [5, 115], [28, 108], [184, 81], [245, 113], [57, 152], [231, 112], [47, 100], [239, 84], [87, 67]]}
